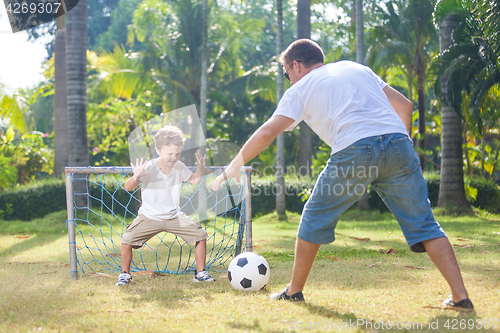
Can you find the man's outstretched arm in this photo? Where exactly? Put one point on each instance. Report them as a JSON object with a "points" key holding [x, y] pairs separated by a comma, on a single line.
{"points": [[259, 141]]}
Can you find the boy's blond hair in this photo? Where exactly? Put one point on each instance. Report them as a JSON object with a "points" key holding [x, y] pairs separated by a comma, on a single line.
{"points": [[169, 135]]}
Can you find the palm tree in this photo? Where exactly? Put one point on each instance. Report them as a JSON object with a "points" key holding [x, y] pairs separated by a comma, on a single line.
{"points": [[489, 13], [204, 68], [360, 46], [360, 58], [451, 186], [173, 37], [412, 37], [425, 37], [393, 50], [304, 31], [60, 100], [280, 149], [76, 62], [467, 66]]}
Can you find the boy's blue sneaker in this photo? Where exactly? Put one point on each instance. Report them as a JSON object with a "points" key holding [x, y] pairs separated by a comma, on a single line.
{"points": [[202, 276], [124, 278]]}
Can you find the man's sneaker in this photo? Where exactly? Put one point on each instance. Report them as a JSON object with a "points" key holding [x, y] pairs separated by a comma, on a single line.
{"points": [[464, 304], [297, 297], [124, 278], [202, 276]]}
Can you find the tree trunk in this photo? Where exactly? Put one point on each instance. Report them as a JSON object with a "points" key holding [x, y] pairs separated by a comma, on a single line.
{"points": [[304, 31], [360, 58], [280, 149], [360, 44], [451, 187], [410, 85], [60, 101], [421, 108], [483, 154], [76, 62], [204, 68], [203, 105]]}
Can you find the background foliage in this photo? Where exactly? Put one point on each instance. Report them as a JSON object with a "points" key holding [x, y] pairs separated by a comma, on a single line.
{"points": [[144, 60]]}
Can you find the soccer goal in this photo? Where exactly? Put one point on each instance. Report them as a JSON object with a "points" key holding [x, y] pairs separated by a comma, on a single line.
{"points": [[99, 210]]}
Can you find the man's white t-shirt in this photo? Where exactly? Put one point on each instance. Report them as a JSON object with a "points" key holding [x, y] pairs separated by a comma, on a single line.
{"points": [[160, 192], [342, 102]]}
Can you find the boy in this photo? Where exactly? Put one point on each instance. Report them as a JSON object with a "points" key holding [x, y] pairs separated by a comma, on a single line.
{"points": [[161, 180]]}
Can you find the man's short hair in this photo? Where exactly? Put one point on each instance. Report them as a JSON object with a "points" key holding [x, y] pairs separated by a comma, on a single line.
{"points": [[169, 135], [304, 50]]}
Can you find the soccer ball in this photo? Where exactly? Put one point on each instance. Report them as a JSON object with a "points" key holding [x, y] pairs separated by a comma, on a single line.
{"points": [[248, 271]]}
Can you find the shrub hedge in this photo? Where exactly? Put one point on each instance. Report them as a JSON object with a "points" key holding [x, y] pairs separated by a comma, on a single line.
{"points": [[40, 199], [33, 201], [264, 194], [488, 193]]}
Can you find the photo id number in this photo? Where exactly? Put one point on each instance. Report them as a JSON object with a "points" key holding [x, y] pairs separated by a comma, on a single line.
{"points": [[32, 8], [455, 324]]}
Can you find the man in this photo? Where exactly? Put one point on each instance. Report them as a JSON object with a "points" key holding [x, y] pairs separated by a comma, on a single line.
{"points": [[366, 123]]}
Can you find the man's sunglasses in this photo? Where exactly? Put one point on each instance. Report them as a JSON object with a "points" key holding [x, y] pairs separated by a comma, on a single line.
{"points": [[286, 72]]}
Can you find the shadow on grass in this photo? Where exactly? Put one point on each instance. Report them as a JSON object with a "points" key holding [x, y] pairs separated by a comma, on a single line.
{"points": [[170, 291], [254, 327], [51, 223], [458, 320], [335, 318], [28, 244]]}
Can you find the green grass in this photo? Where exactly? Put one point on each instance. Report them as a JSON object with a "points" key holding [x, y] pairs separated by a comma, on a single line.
{"points": [[353, 281]]}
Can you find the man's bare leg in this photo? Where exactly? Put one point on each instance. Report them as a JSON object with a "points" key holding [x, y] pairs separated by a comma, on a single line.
{"points": [[442, 254], [305, 253]]}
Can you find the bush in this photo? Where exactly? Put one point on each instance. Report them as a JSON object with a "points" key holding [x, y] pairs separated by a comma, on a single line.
{"points": [[433, 179], [43, 197], [264, 192], [22, 158], [39, 199], [488, 194], [31, 201]]}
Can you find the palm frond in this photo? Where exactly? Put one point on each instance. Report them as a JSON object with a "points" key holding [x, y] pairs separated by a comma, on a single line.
{"points": [[478, 94], [11, 108], [444, 8]]}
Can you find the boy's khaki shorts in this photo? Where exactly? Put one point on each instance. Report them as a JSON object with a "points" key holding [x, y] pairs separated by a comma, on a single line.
{"points": [[143, 229]]}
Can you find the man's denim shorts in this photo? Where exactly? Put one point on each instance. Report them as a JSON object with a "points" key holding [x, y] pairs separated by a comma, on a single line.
{"points": [[387, 162]]}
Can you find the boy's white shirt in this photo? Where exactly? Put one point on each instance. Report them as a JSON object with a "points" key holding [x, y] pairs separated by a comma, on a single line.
{"points": [[341, 112], [160, 192]]}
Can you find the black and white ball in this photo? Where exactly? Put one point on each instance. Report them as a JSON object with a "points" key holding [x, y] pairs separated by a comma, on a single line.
{"points": [[248, 271]]}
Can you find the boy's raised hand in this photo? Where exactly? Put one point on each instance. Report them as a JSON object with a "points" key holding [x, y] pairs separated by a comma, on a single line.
{"points": [[200, 161], [139, 167], [138, 170], [200, 170]]}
